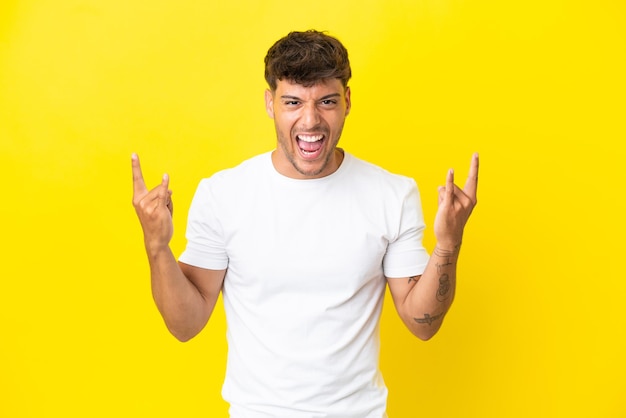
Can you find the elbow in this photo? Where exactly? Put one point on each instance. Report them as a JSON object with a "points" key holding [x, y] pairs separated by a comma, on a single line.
{"points": [[183, 338], [184, 327], [425, 334], [182, 334], [425, 327]]}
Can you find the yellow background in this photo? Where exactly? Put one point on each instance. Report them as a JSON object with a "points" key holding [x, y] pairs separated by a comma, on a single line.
{"points": [[536, 86]]}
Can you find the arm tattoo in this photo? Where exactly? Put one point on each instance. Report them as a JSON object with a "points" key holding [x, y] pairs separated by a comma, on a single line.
{"points": [[427, 319], [444, 287], [441, 266], [445, 254]]}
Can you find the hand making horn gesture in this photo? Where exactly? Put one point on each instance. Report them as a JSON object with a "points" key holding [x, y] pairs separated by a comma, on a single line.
{"points": [[455, 208], [154, 209]]}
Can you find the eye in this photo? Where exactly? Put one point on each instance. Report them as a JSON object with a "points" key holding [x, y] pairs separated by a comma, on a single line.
{"points": [[291, 102], [329, 102]]}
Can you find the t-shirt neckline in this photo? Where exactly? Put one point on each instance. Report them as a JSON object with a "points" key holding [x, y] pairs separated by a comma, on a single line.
{"points": [[347, 158]]}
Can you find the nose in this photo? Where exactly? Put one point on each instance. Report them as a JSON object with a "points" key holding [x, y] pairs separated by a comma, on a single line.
{"points": [[310, 116]]}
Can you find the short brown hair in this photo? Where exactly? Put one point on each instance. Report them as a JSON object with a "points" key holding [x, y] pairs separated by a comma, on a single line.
{"points": [[307, 58]]}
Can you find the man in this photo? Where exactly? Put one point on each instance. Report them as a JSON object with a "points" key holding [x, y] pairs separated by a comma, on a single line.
{"points": [[302, 242]]}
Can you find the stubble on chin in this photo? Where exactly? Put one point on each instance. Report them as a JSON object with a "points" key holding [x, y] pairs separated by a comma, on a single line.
{"points": [[291, 154], [299, 166]]}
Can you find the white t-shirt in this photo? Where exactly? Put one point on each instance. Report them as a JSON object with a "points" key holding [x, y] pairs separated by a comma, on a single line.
{"points": [[306, 263]]}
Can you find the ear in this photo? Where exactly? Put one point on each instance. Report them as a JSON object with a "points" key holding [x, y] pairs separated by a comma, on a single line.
{"points": [[348, 101], [269, 103]]}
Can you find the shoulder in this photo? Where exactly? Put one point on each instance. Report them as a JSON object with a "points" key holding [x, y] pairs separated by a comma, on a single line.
{"points": [[375, 177], [233, 184], [242, 174]]}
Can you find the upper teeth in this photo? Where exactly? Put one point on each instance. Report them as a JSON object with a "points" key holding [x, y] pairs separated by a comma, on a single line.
{"points": [[310, 138]]}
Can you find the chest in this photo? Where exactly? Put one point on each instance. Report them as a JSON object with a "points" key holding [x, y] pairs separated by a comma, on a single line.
{"points": [[309, 241]]}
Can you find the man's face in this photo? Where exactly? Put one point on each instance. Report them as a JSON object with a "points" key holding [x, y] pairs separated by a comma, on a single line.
{"points": [[308, 121]]}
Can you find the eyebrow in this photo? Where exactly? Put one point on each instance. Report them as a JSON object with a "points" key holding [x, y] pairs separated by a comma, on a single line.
{"points": [[328, 96]]}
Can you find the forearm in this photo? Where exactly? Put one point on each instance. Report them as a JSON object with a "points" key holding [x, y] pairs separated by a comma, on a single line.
{"points": [[179, 301], [430, 298], [184, 300], [424, 301]]}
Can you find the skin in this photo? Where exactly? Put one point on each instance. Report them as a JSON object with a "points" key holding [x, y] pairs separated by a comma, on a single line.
{"points": [[423, 301], [186, 295], [317, 110]]}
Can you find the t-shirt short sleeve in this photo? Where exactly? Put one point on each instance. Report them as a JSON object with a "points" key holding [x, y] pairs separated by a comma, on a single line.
{"points": [[406, 255], [205, 239]]}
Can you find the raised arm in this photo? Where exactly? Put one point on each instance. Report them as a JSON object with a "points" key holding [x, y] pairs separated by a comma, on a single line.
{"points": [[423, 301], [185, 295]]}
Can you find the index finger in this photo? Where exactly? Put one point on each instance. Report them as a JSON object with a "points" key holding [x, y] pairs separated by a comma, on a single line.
{"points": [[139, 186], [471, 185]]}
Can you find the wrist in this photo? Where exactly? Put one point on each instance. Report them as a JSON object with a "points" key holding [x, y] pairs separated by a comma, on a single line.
{"points": [[447, 249], [156, 249]]}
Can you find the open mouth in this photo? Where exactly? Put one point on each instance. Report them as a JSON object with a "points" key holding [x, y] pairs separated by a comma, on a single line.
{"points": [[310, 145]]}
